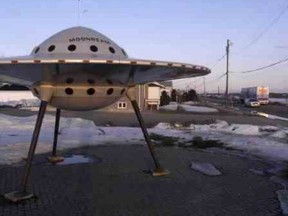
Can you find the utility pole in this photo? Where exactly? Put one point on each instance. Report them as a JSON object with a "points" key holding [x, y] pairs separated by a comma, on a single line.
{"points": [[227, 69]]}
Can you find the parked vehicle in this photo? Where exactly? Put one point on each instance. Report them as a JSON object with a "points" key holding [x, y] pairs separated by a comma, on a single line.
{"points": [[260, 93], [252, 103]]}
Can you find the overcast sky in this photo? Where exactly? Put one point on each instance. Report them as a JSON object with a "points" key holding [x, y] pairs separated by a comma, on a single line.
{"points": [[192, 31]]}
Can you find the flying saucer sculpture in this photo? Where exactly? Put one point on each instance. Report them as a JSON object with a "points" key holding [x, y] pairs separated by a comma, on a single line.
{"points": [[81, 69]]}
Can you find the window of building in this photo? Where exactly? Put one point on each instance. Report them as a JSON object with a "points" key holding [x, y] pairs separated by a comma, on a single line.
{"points": [[122, 105]]}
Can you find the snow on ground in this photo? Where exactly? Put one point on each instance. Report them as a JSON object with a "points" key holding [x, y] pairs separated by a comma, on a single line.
{"points": [[14, 98], [16, 133], [201, 109], [190, 102], [279, 100], [170, 107], [187, 106], [205, 168]]}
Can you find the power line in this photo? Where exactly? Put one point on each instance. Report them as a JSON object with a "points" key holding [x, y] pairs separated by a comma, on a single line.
{"points": [[217, 78], [195, 81], [218, 61], [264, 67], [267, 28]]}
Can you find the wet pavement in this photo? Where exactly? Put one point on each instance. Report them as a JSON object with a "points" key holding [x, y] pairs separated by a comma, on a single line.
{"points": [[116, 182]]}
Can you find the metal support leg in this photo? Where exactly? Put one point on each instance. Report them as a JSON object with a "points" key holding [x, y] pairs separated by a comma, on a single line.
{"points": [[22, 194], [54, 158], [159, 171]]}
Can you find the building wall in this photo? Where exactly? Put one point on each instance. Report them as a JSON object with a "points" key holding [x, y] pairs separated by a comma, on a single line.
{"points": [[147, 97], [140, 94], [153, 93]]}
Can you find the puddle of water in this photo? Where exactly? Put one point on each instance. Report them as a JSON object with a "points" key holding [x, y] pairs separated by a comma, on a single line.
{"points": [[76, 159]]}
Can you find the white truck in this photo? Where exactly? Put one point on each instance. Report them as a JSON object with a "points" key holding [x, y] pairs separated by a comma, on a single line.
{"points": [[259, 93]]}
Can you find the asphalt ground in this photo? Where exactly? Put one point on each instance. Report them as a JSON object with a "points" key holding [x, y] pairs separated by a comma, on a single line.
{"points": [[152, 118], [117, 183], [272, 108]]}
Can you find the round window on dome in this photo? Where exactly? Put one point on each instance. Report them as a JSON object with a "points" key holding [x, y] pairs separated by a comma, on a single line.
{"points": [[110, 91], [72, 48], [37, 50], [124, 53], [51, 48], [91, 91], [111, 49], [93, 48]]}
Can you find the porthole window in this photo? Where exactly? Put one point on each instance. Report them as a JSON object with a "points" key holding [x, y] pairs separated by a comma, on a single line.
{"points": [[51, 48], [124, 53], [91, 91], [91, 81], [110, 91], [71, 47], [123, 90], [36, 91], [93, 48], [69, 80], [69, 91], [111, 49], [37, 50]]}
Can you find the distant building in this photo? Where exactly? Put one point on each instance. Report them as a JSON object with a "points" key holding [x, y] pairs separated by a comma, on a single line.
{"points": [[147, 97], [168, 87]]}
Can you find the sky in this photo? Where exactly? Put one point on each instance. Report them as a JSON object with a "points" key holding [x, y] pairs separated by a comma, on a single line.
{"points": [[191, 31]]}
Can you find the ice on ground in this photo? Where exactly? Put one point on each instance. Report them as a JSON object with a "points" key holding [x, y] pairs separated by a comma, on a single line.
{"points": [[283, 198], [76, 159], [200, 109], [205, 168]]}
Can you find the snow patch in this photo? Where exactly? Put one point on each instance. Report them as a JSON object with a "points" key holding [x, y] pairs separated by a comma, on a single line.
{"points": [[205, 168], [199, 109], [283, 198], [170, 107], [190, 103], [187, 106], [14, 98]]}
